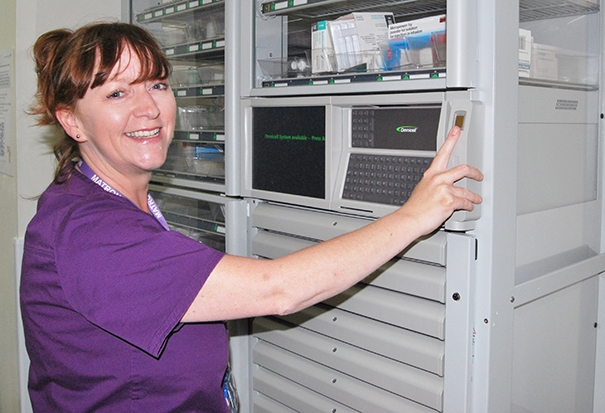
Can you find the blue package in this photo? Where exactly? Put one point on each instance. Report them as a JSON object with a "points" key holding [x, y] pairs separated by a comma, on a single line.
{"points": [[392, 55]]}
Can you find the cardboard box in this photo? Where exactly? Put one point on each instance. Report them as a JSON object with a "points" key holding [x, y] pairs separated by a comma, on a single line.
{"points": [[525, 46], [322, 49], [350, 41], [544, 62], [372, 30], [413, 43], [408, 28]]}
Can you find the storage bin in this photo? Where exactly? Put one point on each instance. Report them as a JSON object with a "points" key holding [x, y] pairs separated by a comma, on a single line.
{"points": [[195, 118], [211, 73], [577, 67], [427, 49], [415, 51], [184, 76]]}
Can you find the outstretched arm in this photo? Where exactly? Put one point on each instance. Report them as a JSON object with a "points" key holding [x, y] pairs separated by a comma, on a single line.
{"points": [[242, 287]]}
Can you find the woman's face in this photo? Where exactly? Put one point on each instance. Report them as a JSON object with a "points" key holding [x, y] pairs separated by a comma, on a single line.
{"points": [[126, 127]]}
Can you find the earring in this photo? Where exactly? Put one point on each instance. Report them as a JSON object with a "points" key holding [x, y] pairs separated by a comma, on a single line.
{"points": [[77, 136]]}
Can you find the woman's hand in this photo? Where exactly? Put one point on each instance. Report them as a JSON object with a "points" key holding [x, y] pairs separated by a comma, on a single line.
{"points": [[435, 198], [245, 287]]}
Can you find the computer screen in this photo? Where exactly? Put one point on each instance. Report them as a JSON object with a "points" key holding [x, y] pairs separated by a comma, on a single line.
{"points": [[289, 150]]}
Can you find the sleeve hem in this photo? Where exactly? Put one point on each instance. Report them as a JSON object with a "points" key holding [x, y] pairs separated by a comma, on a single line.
{"points": [[160, 340]]}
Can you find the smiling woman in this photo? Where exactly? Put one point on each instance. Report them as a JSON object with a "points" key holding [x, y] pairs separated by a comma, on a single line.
{"points": [[122, 314], [104, 284], [69, 65], [123, 127], [107, 87]]}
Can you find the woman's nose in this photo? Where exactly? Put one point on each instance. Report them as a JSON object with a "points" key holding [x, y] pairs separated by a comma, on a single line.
{"points": [[146, 105]]}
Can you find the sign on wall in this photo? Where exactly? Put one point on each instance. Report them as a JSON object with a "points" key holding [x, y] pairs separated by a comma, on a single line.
{"points": [[7, 116]]}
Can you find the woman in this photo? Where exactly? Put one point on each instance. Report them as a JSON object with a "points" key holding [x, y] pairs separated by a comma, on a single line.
{"points": [[121, 314]]}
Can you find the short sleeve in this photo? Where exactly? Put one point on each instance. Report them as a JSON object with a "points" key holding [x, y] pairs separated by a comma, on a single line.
{"points": [[126, 274]]}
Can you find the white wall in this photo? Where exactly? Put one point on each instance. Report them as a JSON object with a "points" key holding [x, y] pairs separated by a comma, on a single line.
{"points": [[35, 164], [9, 394], [21, 22]]}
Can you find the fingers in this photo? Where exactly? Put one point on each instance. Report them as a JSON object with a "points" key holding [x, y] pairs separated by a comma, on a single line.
{"points": [[465, 199], [455, 197], [441, 160], [436, 196], [443, 155], [463, 171]]}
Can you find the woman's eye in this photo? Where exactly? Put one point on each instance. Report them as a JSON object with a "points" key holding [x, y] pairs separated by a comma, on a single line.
{"points": [[160, 86], [115, 95]]}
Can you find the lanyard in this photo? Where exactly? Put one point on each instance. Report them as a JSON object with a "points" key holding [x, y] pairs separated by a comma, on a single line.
{"points": [[153, 208]]}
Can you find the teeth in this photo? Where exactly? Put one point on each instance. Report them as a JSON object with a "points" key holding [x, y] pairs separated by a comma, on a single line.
{"points": [[144, 134]]}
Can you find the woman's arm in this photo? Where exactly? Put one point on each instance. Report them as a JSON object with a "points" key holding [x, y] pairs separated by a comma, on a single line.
{"points": [[241, 287]]}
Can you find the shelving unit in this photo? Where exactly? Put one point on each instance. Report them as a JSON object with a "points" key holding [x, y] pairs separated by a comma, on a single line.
{"points": [[539, 248], [192, 36], [530, 265], [298, 16]]}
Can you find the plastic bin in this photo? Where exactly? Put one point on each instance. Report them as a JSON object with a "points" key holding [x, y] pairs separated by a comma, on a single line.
{"points": [[427, 49], [183, 76], [415, 51], [195, 118]]}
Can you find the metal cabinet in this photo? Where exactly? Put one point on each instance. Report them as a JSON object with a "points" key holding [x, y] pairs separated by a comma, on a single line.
{"points": [[532, 70]]}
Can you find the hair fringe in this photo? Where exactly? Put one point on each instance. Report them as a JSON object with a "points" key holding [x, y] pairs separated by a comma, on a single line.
{"points": [[66, 62]]}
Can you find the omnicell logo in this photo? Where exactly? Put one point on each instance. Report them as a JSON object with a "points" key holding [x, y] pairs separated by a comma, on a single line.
{"points": [[407, 129]]}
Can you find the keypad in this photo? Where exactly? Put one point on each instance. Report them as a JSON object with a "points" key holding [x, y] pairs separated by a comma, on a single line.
{"points": [[362, 124], [383, 179]]}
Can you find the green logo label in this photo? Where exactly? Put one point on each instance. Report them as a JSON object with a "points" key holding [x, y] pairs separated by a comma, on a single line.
{"points": [[407, 129]]}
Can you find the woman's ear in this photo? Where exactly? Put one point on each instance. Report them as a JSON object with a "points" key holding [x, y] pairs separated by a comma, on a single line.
{"points": [[68, 122]]}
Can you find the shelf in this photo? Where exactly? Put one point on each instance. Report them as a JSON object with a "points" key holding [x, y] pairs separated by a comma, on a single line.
{"points": [[174, 9], [526, 81], [192, 222], [331, 9], [199, 91], [331, 79], [216, 137], [190, 177], [409, 9], [194, 49], [530, 10]]}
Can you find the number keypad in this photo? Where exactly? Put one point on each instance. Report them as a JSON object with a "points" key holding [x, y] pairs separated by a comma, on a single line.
{"points": [[383, 179]]}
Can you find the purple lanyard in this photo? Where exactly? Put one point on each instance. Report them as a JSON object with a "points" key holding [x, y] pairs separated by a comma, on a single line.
{"points": [[153, 207]]}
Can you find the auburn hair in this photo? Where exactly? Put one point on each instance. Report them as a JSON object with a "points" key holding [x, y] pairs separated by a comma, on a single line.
{"points": [[68, 63]]}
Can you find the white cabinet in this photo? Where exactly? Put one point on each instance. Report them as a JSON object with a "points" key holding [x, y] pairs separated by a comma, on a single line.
{"points": [[532, 72]]}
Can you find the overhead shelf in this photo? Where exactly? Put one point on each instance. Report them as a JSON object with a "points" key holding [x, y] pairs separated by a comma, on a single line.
{"points": [[193, 49], [412, 9], [328, 9], [331, 79], [530, 10], [200, 136], [174, 9], [199, 91]]}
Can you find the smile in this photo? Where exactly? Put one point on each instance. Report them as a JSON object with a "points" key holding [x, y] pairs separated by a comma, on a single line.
{"points": [[144, 134]]}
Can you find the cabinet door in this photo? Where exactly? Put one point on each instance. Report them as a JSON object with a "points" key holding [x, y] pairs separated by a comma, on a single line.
{"points": [[559, 209]]}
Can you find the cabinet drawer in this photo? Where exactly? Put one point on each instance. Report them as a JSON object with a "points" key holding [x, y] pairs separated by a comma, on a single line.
{"points": [[397, 343], [399, 378], [331, 383]]}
